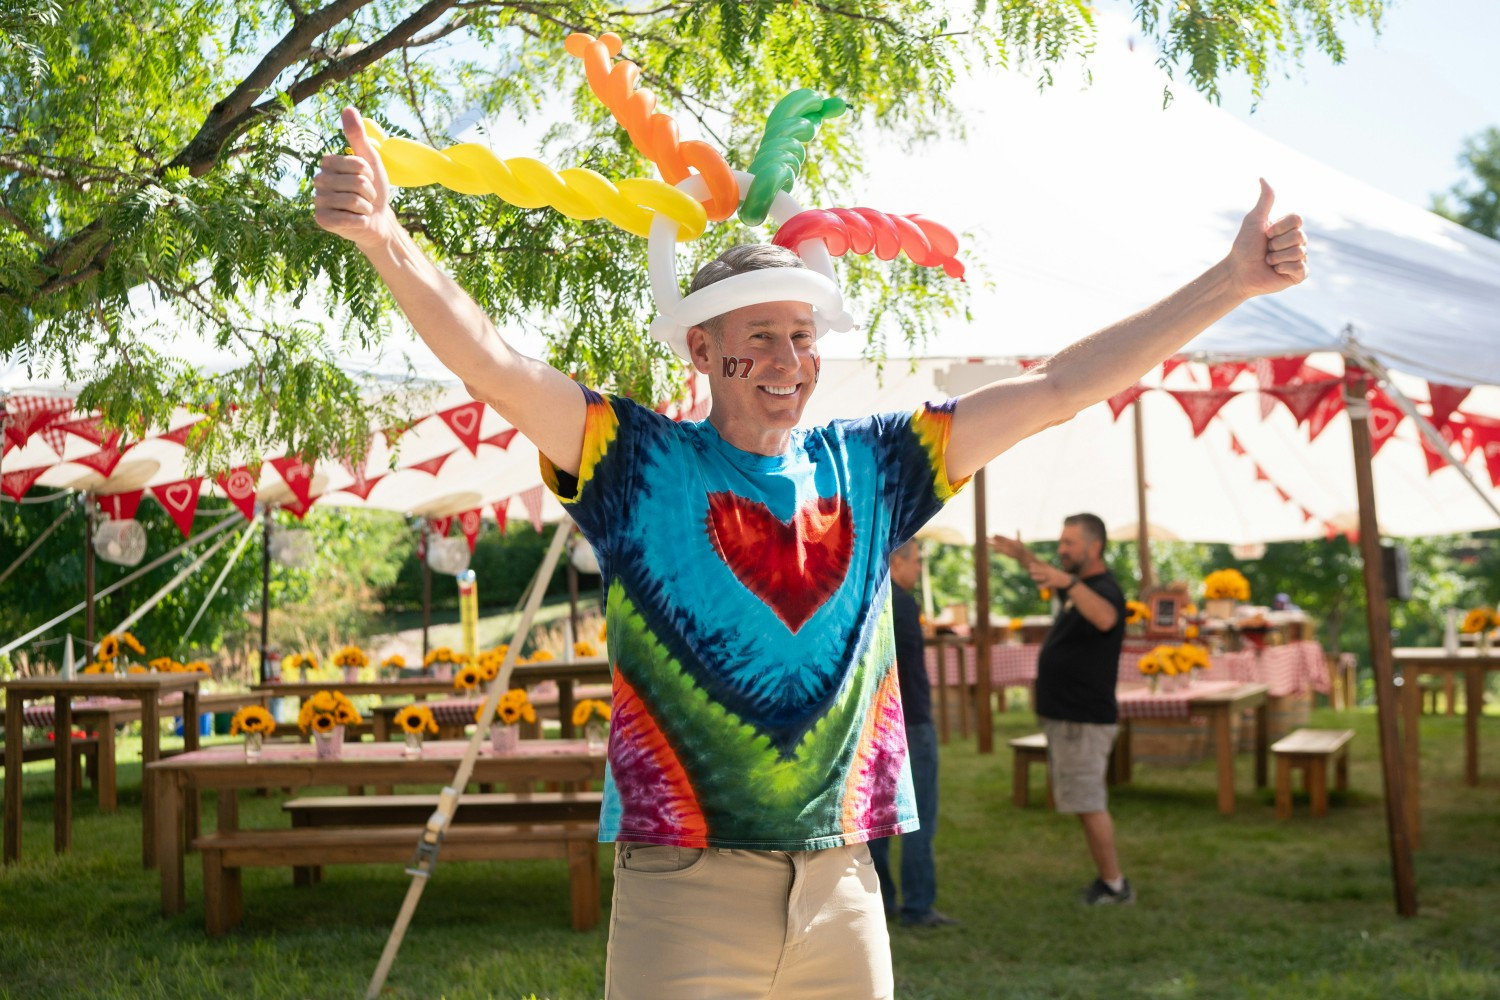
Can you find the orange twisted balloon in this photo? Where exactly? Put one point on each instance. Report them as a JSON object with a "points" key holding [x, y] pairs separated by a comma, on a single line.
{"points": [[654, 133]]}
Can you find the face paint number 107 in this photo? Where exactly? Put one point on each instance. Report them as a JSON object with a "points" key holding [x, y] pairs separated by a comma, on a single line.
{"points": [[738, 367]]}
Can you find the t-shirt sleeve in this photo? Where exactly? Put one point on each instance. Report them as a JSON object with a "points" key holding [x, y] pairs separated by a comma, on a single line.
{"points": [[1108, 588], [597, 496], [914, 467]]}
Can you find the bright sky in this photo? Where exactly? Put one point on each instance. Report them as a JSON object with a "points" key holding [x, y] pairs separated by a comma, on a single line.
{"points": [[1396, 111]]}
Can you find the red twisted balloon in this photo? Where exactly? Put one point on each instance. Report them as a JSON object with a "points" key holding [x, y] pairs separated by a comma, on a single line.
{"points": [[865, 230], [654, 133]]}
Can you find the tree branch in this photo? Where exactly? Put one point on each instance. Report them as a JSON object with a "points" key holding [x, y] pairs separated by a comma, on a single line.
{"points": [[19, 225], [9, 162]]}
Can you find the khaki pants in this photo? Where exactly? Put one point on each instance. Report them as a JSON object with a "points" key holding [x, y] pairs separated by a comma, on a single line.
{"points": [[718, 924]]}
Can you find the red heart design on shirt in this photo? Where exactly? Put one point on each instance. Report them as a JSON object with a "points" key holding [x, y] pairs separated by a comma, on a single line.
{"points": [[793, 567]]}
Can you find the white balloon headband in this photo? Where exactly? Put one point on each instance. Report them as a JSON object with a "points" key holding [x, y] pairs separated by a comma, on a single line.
{"points": [[815, 284]]}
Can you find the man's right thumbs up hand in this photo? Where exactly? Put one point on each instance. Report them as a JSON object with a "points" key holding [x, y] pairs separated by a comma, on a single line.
{"points": [[351, 196]]}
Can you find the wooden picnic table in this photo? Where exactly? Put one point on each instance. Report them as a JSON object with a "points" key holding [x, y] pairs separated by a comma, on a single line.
{"points": [[144, 689], [1412, 663], [1217, 701], [102, 715], [178, 781]]}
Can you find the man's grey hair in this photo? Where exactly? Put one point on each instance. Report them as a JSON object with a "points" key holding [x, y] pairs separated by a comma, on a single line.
{"points": [[1092, 527], [907, 549], [739, 260]]}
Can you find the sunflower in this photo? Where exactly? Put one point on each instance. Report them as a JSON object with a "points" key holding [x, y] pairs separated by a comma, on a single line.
{"points": [[394, 661], [196, 667], [136, 668], [468, 679], [1226, 584], [1477, 620], [351, 656], [164, 664], [133, 643], [1015, 624], [345, 715], [252, 719], [416, 719], [323, 723], [603, 630], [488, 666], [1136, 612], [109, 647], [584, 648], [588, 708], [1191, 632], [99, 667], [509, 714], [541, 656], [1149, 665]]}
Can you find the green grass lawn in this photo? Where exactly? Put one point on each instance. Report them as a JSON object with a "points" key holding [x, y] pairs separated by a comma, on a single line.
{"points": [[1240, 906]]}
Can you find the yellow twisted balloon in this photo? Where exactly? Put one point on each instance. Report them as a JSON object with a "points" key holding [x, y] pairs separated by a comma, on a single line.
{"points": [[578, 193]]}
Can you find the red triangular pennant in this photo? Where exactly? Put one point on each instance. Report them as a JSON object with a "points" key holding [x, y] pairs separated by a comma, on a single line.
{"points": [[298, 477], [1260, 474], [180, 500], [1234, 445], [1303, 398], [1222, 375], [239, 486], [25, 415], [440, 525], [120, 506], [532, 500], [1120, 400], [469, 522], [1445, 399], [297, 508], [502, 508], [1385, 417], [1171, 364], [464, 421], [1283, 494], [87, 428], [1307, 515], [432, 466], [1484, 434], [502, 439], [1322, 415], [1201, 404], [180, 435], [1435, 459], [15, 484], [105, 459], [393, 434], [362, 487]]}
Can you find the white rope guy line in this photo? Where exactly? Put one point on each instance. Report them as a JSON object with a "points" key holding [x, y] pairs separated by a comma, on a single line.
{"points": [[234, 557], [431, 840], [170, 585]]}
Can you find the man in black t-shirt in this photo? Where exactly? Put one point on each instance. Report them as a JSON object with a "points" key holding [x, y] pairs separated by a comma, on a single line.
{"points": [[918, 889], [1075, 687]]}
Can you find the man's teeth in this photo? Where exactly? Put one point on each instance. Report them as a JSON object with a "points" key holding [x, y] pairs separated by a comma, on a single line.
{"points": [[780, 391]]}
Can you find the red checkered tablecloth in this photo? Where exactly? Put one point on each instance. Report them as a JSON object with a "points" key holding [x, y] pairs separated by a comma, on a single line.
{"points": [[454, 711], [1138, 702], [1010, 666], [1296, 668], [43, 714]]}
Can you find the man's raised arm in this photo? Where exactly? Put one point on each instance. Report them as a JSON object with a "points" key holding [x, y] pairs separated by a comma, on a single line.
{"points": [[1266, 257], [352, 200]]}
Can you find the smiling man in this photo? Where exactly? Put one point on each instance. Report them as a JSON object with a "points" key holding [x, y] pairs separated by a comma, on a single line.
{"points": [[757, 742]]}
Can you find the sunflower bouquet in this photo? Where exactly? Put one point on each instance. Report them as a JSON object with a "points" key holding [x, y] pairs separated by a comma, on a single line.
{"points": [[111, 652], [514, 707], [352, 660], [585, 648], [415, 720], [442, 659], [165, 665], [393, 663], [490, 661], [1136, 613], [256, 723], [1478, 623], [593, 715], [298, 661], [1172, 662], [1226, 585], [195, 667], [469, 677], [325, 711]]}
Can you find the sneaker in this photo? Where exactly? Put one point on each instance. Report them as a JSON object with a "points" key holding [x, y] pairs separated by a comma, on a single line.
{"points": [[1100, 894], [932, 918]]}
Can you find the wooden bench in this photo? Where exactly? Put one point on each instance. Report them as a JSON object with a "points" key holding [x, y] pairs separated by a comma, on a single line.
{"points": [[1028, 750], [85, 758], [399, 810], [226, 854], [1311, 750]]}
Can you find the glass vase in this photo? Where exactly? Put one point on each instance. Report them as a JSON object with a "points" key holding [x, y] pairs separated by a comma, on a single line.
{"points": [[596, 732], [252, 746], [504, 738], [413, 748], [329, 745]]}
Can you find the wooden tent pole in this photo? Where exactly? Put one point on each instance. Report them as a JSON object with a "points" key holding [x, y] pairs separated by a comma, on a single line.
{"points": [[983, 721], [265, 595], [1142, 541], [88, 574], [1400, 833]]}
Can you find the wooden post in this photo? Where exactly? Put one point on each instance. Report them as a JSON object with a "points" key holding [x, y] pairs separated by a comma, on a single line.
{"points": [[265, 595], [426, 591], [1378, 616], [1142, 541], [983, 720]]}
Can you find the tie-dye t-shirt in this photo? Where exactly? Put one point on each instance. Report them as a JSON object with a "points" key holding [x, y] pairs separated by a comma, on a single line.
{"points": [[756, 698]]}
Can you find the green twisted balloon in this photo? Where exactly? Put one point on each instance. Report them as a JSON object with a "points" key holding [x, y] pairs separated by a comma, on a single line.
{"points": [[778, 161]]}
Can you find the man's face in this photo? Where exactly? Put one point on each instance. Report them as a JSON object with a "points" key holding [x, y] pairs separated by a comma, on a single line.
{"points": [[906, 566], [1073, 548], [764, 367]]}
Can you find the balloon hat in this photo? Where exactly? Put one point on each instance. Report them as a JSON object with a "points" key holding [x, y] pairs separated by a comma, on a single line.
{"points": [[698, 187]]}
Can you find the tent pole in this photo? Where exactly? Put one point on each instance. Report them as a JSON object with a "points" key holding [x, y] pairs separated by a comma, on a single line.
{"points": [[36, 543], [983, 721], [573, 600], [87, 500], [265, 595], [1401, 827], [1142, 541]]}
